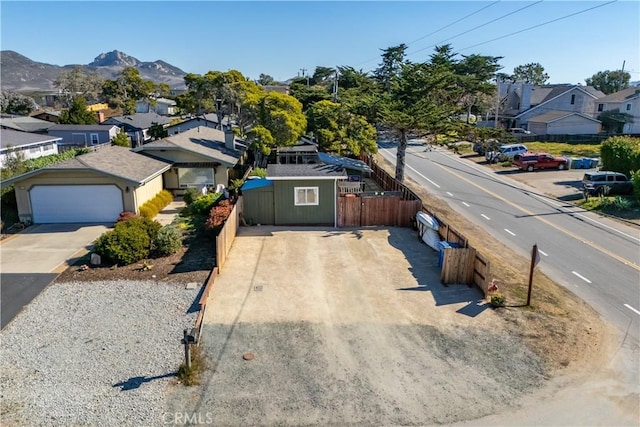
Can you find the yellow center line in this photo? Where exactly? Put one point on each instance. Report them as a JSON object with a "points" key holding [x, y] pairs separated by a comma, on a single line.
{"points": [[562, 230]]}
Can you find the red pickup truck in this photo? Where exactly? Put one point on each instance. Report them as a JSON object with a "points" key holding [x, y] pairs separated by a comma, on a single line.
{"points": [[533, 161]]}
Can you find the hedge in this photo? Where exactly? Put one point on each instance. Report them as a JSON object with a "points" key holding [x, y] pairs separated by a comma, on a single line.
{"points": [[152, 207]]}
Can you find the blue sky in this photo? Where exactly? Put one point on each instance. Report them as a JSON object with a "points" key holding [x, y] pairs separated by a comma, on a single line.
{"points": [[281, 38]]}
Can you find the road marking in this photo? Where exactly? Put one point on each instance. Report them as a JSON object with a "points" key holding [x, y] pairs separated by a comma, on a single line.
{"points": [[550, 224], [485, 217], [581, 276], [543, 253], [422, 176], [510, 232], [466, 204], [449, 194], [632, 309]]}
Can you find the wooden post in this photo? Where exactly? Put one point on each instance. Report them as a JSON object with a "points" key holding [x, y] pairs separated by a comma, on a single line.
{"points": [[534, 261], [187, 349]]}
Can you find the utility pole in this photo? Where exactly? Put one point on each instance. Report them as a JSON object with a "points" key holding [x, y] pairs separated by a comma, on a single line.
{"points": [[304, 73], [335, 86], [495, 124], [621, 75]]}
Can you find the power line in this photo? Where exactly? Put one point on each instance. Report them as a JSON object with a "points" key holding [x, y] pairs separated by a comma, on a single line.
{"points": [[438, 30], [539, 25], [479, 26]]}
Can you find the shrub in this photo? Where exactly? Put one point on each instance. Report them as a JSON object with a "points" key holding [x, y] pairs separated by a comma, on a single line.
{"points": [[621, 154], [166, 196], [168, 241], [123, 245], [218, 215], [635, 177], [126, 216], [236, 184], [148, 211], [149, 226], [261, 172], [203, 204], [498, 300], [190, 195], [152, 207]]}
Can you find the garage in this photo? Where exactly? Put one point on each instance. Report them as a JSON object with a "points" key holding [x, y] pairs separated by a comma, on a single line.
{"points": [[75, 203]]}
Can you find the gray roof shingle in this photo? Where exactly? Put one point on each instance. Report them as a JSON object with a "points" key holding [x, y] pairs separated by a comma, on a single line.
{"points": [[82, 128], [16, 138], [621, 95], [24, 123], [138, 121], [305, 170]]}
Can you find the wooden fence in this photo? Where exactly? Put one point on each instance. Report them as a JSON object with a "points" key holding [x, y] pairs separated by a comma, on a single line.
{"points": [[227, 234], [459, 265], [380, 210]]}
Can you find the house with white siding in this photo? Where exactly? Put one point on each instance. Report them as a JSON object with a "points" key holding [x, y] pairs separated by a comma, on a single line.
{"points": [[625, 101], [564, 123], [25, 144]]}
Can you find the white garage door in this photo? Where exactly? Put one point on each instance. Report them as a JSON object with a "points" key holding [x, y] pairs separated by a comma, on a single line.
{"points": [[75, 203]]}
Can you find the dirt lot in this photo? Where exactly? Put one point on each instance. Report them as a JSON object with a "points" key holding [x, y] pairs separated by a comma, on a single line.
{"points": [[339, 339]]}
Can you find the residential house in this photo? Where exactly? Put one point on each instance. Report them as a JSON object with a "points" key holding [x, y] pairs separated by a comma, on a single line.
{"points": [[564, 123], [91, 188], [521, 102], [84, 135], [24, 123], [137, 125], [192, 122], [162, 106], [625, 101], [49, 116], [200, 157], [25, 144]]}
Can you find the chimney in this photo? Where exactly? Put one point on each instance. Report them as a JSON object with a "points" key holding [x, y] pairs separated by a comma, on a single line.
{"points": [[229, 139], [100, 116]]}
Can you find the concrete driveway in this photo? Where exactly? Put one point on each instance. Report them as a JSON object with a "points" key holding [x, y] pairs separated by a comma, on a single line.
{"points": [[30, 260]]}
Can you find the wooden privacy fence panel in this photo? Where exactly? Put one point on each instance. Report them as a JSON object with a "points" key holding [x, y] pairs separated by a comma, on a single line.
{"points": [[481, 271], [227, 234], [458, 265], [376, 211], [349, 211]]}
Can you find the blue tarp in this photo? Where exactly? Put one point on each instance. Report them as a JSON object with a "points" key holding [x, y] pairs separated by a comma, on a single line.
{"points": [[256, 183]]}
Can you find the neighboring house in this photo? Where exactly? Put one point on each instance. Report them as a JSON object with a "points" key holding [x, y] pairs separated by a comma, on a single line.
{"points": [[193, 122], [90, 188], [137, 125], [24, 123], [564, 123], [200, 157], [48, 116], [84, 135], [302, 194], [625, 101], [284, 89], [520, 102], [25, 144], [163, 106]]}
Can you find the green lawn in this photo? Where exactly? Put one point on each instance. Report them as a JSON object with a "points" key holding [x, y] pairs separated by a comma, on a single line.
{"points": [[565, 149]]}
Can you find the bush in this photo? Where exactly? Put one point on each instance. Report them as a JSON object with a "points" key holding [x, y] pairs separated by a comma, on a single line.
{"points": [[635, 177], [498, 300], [148, 211], [218, 215], [152, 207], [190, 195], [621, 154], [203, 204], [261, 172], [124, 245], [168, 241]]}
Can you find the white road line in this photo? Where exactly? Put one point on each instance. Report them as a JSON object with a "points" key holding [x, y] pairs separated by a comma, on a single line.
{"points": [[449, 194], [422, 176], [543, 253], [510, 232], [632, 309], [485, 217], [466, 204], [581, 276]]}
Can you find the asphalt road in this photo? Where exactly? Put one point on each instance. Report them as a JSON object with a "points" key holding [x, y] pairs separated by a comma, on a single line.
{"points": [[598, 259], [17, 290]]}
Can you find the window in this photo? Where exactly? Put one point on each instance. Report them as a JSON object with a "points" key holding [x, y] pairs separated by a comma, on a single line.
{"points": [[628, 107], [305, 196], [573, 99], [195, 177], [34, 150], [621, 178], [600, 107], [94, 139]]}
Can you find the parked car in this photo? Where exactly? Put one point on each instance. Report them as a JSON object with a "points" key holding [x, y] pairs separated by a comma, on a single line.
{"points": [[533, 161], [505, 152], [605, 183], [520, 131]]}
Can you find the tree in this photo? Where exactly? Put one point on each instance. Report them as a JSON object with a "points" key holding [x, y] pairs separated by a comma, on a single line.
{"points": [[393, 58], [15, 103], [530, 73], [474, 77], [609, 82], [157, 131], [121, 139], [78, 114], [613, 121], [127, 89], [78, 82], [309, 95], [265, 80]]}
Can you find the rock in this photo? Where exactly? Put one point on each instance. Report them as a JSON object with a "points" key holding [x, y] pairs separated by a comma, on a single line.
{"points": [[96, 259]]}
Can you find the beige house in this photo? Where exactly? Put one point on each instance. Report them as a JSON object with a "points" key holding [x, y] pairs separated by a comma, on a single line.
{"points": [[564, 123], [200, 157], [91, 188]]}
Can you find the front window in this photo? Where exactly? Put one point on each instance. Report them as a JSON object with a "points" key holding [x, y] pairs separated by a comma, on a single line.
{"points": [[573, 99], [628, 107], [94, 139], [195, 177], [305, 196], [600, 107]]}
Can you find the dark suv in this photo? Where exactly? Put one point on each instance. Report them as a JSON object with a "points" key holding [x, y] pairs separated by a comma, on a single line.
{"points": [[605, 183]]}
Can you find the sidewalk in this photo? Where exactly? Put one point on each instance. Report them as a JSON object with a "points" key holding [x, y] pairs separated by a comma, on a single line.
{"points": [[167, 215]]}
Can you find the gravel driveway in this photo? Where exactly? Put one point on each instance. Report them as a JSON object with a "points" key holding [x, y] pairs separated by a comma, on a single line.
{"points": [[349, 328], [93, 353]]}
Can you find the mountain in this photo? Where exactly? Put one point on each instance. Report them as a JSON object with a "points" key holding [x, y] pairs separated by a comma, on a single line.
{"points": [[19, 73]]}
